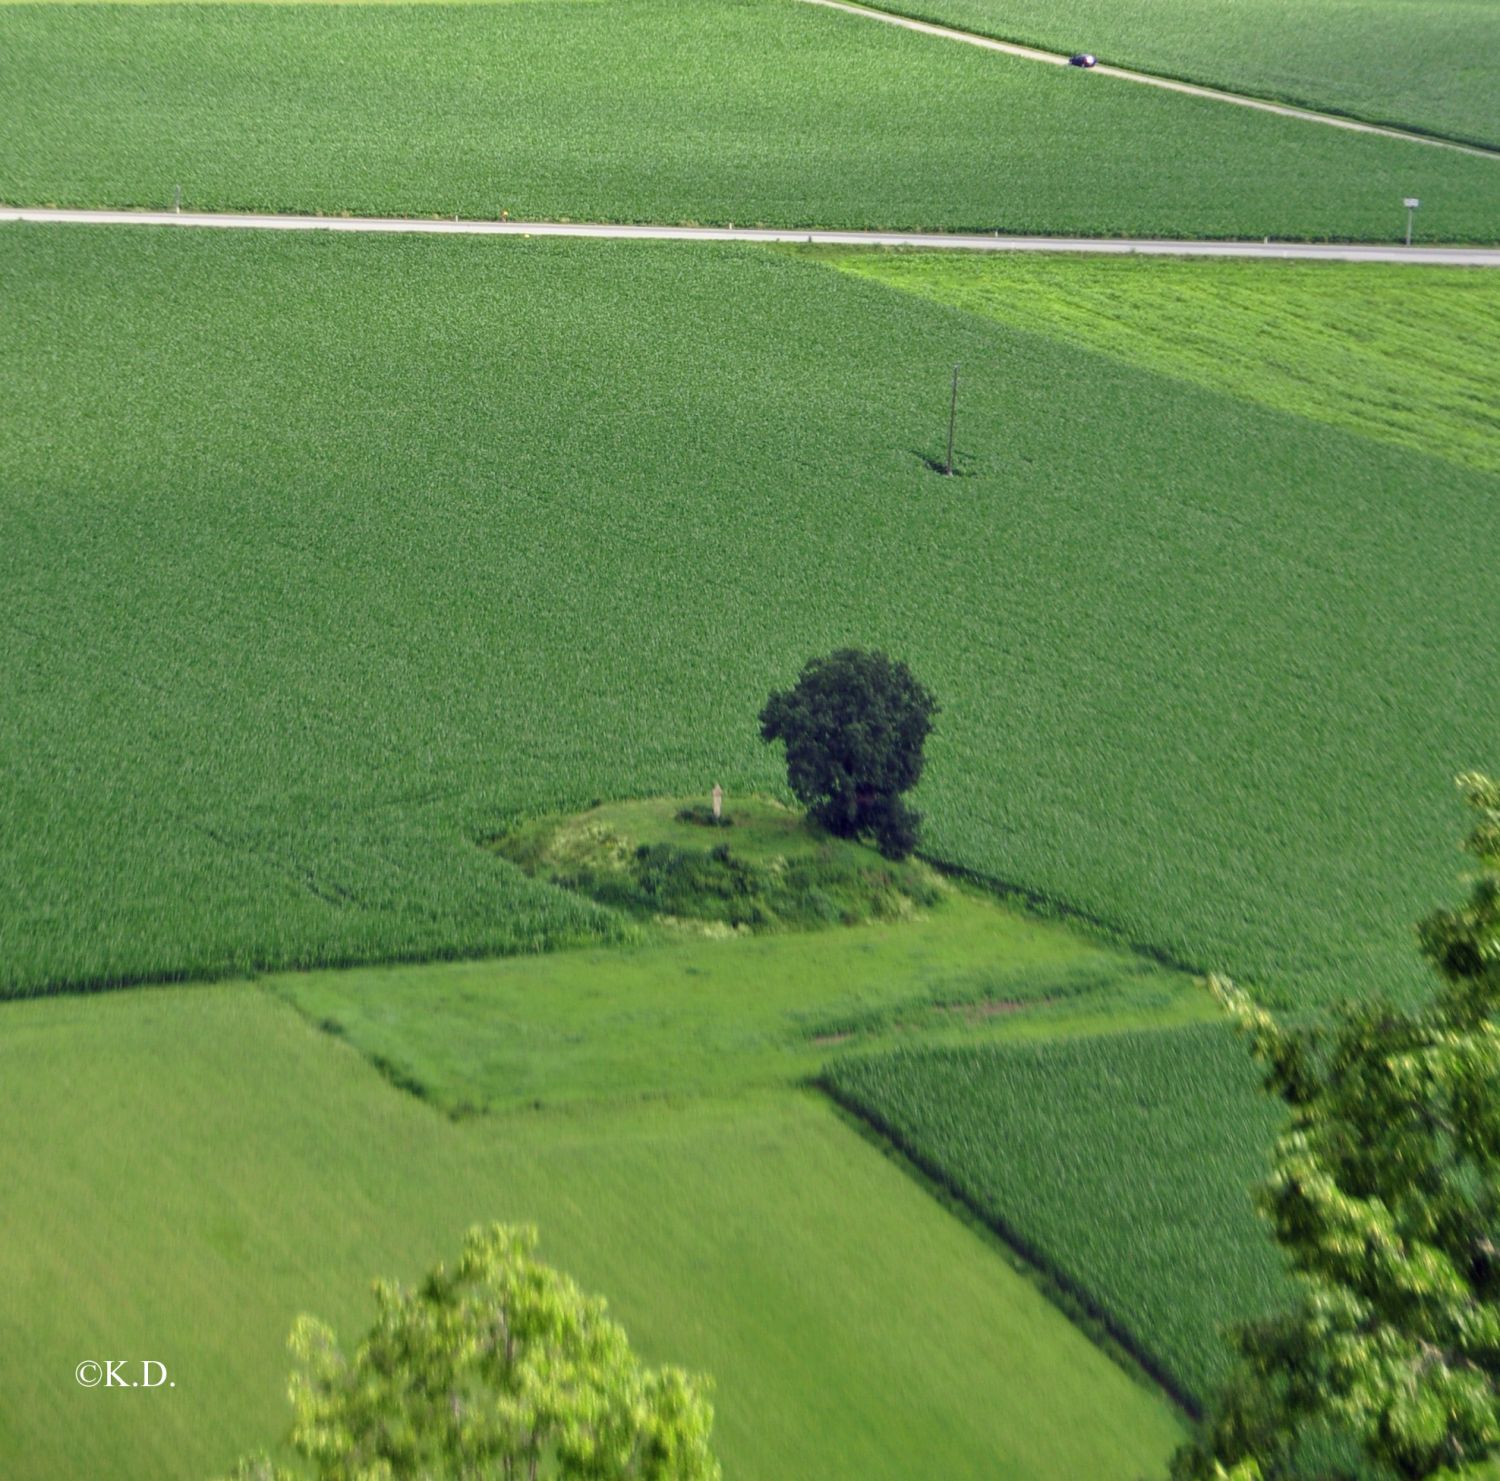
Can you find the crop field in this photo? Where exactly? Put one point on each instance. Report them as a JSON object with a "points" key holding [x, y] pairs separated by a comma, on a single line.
{"points": [[200, 1165], [667, 110], [1423, 66], [1412, 359], [325, 557], [379, 611], [1121, 1163]]}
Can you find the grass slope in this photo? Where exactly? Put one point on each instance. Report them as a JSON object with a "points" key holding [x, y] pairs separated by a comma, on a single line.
{"points": [[1426, 66], [324, 557], [200, 1166], [667, 110], [1408, 358], [1122, 1163]]}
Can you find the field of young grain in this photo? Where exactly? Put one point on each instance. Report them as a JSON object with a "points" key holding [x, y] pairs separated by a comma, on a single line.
{"points": [[324, 557], [1122, 1164], [667, 110], [1423, 66], [1412, 359], [200, 1165]]}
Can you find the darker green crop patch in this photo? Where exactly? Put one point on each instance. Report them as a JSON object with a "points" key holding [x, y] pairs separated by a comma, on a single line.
{"points": [[1120, 1164]]}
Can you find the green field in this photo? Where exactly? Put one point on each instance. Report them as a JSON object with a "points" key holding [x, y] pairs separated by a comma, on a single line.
{"points": [[1406, 358], [1123, 1164], [377, 611], [667, 110], [200, 1165], [325, 557], [1418, 64]]}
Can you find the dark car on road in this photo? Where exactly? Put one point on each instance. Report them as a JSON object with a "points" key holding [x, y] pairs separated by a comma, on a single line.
{"points": [[1082, 59]]}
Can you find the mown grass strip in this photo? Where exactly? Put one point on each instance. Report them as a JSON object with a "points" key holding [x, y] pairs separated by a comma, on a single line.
{"points": [[717, 1017]]}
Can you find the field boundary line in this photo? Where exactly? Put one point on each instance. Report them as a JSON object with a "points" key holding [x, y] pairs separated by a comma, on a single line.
{"points": [[1153, 79], [1446, 256]]}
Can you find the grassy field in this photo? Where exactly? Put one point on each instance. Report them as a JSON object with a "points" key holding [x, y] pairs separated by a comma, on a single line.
{"points": [[303, 602], [667, 110], [1407, 358], [201, 1165], [1121, 1163], [1426, 66]]}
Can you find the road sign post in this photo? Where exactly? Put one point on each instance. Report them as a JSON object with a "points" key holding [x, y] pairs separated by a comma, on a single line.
{"points": [[1411, 203]]}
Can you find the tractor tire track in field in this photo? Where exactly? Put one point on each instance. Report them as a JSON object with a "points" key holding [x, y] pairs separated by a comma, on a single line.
{"points": [[1151, 79], [940, 241]]}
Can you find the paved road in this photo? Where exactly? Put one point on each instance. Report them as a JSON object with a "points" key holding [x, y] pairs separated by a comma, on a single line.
{"points": [[1319, 251], [1031, 53]]}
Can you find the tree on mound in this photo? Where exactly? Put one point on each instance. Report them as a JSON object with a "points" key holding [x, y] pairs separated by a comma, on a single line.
{"points": [[854, 725], [498, 1370], [1385, 1196]]}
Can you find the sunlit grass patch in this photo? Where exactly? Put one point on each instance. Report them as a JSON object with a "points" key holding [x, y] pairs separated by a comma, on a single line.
{"points": [[1406, 357]]}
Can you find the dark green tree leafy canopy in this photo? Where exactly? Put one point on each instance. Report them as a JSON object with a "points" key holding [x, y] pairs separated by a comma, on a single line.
{"points": [[854, 725], [499, 1369], [1385, 1196]]}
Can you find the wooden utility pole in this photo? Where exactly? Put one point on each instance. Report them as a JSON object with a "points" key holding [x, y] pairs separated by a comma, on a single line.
{"points": [[952, 420]]}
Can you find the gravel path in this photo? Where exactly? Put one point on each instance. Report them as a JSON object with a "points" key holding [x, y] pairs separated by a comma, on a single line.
{"points": [[1317, 251]]}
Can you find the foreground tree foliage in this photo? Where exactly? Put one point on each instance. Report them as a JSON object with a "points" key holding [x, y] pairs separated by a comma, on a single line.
{"points": [[1385, 1196], [496, 1370], [854, 725]]}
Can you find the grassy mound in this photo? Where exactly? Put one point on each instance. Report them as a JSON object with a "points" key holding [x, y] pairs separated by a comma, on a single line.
{"points": [[779, 872]]}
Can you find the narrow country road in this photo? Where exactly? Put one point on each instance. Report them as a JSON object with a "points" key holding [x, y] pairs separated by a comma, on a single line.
{"points": [[949, 241], [1150, 79]]}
